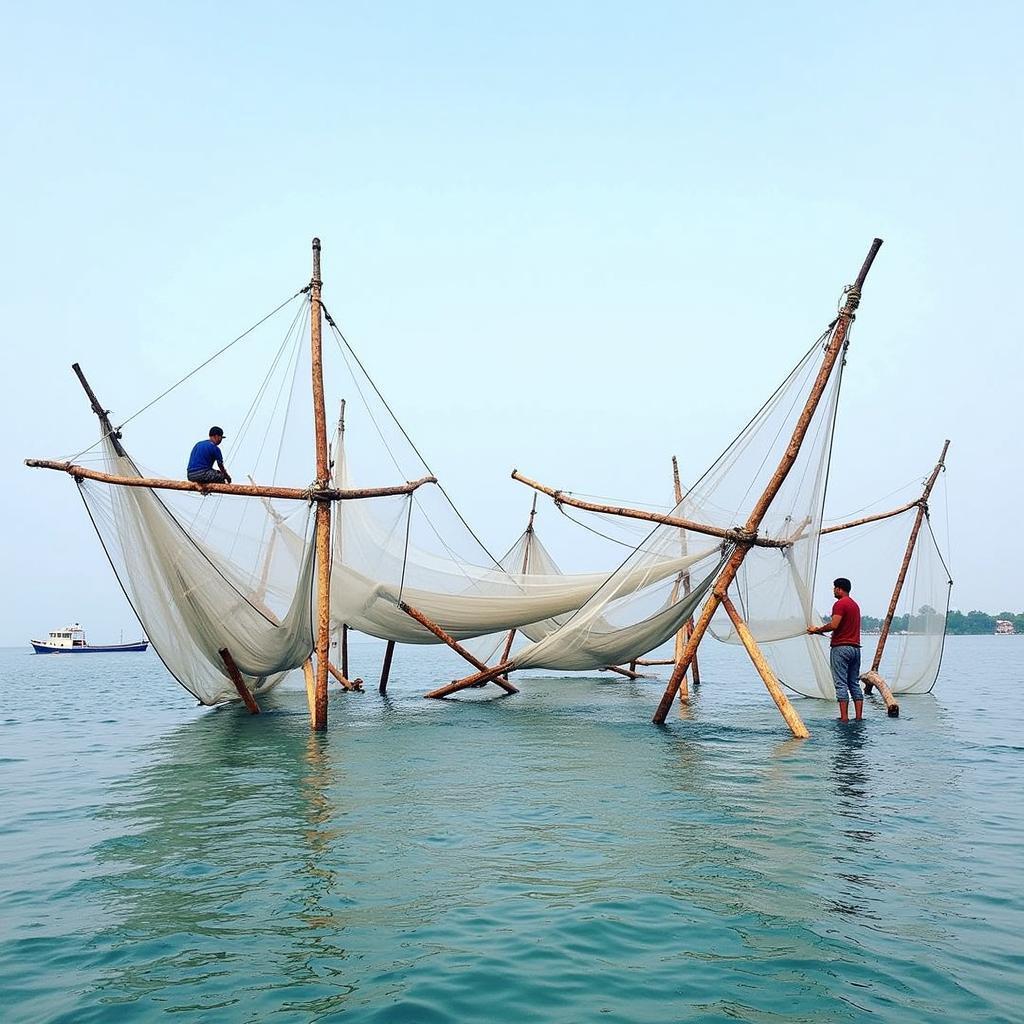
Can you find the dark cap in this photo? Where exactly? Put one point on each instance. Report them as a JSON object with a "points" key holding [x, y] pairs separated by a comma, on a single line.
{"points": [[217, 430]]}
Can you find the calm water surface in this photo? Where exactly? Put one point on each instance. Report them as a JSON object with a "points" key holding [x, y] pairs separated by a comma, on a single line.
{"points": [[545, 857]]}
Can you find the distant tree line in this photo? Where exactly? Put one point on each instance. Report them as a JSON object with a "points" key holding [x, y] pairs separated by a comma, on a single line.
{"points": [[958, 623]]}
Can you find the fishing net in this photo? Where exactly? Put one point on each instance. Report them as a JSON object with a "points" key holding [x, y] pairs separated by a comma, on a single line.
{"points": [[193, 599]]}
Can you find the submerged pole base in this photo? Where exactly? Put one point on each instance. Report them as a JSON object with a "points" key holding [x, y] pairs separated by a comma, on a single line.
{"points": [[236, 677], [627, 672], [872, 680]]}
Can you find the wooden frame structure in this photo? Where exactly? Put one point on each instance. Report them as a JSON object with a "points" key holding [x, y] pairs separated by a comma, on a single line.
{"points": [[320, 493], [872, 678], [743, 538]]}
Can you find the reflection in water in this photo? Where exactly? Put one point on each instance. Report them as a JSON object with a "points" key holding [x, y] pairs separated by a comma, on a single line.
{"points": [[228, 832], [443, 861]]}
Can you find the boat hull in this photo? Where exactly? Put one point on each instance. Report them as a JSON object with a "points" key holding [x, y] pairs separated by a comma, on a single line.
{"points": [[43, 648]]}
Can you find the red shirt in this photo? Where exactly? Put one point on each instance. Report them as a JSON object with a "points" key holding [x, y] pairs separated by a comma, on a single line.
{"points": [[848, 630]]}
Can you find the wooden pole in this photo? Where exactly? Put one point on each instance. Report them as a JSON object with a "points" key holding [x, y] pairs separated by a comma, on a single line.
{"points": [[236, 677], [782, 702], [833, 351], [385, 671], [319, 494], [307, 673], [352, 685], [526, 565], [627, 672], [684, 634], [476, 680], [922, 511], [322, 524], [344, 649], [872, 519], [101, 413], [561, 498], [872, 678], [446, 638]]}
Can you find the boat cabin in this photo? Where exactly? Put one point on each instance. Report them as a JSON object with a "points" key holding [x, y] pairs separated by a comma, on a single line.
{"points": [[69, 636]]}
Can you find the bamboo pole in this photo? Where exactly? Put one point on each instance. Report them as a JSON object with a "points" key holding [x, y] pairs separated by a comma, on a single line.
{"points": [[833, 350], [872, 519], [782, 702], [446, 638], [475, 680], [322, 524], [385, 671], [352, 685], [102, 414], [627, 672], [684, 634], [526, 565], [922, 511], [561, 498], [236, 677], [320, 494], [872, 678], [307, 673]]}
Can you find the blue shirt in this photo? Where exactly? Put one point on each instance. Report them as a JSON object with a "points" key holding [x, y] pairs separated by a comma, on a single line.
{"points": [[204, 455]]}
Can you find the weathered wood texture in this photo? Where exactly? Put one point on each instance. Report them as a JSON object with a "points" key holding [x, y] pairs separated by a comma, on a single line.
{"points": [[922, 511], [385, 672], [475, 680], [236, 677], [873, 679], [327, 494], [322, 522], [446, 638], [102, 414], [352, 685], [782, 702], [833, 351], [651, 517]]}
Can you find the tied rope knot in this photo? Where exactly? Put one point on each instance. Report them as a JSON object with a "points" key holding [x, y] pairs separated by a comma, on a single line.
{"points": [[743, 536], [849, 301]]}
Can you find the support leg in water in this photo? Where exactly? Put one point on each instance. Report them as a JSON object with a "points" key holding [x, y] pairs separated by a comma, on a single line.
{"points": [[434, 628]]}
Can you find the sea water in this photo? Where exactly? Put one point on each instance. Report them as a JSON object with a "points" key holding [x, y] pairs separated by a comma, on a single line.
{"points": [[549, 856]]}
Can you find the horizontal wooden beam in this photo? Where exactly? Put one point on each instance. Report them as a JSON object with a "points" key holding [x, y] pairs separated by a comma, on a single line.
{"points": [[872, 519], [735, 536], [243, 490]]}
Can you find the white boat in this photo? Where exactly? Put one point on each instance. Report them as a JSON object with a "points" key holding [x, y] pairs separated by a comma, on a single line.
{"points": [[71, 640]]}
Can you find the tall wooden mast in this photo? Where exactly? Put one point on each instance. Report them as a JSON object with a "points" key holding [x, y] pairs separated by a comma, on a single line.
{"points": [[833, 351], [323, 508], [922, 511]]}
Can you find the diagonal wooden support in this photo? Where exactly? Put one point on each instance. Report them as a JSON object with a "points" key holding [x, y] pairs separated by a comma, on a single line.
{"points": [[389, 651], [873, 679], [782, 702], [475, 680], [236, 677], [307, 673], [446, 638], [627, 672], [747, 536], [351, 685]]}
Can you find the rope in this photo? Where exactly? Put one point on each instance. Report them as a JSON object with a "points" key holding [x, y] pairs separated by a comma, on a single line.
{"points": [[194, 371], [390, 411], [405, 553]]}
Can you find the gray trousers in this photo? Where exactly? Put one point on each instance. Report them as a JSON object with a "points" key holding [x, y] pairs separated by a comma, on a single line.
{"points": [[206, 476], [845, 663]]}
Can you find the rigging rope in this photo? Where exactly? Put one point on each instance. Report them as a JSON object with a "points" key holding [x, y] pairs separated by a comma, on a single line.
{"points": [[194, 371], [343, 340]]}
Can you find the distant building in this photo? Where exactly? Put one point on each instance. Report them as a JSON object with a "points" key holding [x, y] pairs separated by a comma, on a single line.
{"points": [[1004, 626]]}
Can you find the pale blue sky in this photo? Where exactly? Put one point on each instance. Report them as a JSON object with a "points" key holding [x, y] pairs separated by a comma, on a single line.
{"points": [[572, 238]]}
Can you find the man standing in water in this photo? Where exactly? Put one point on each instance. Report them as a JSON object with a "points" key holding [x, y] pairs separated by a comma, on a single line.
{"points": [[204, 455], [845, 654]]}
